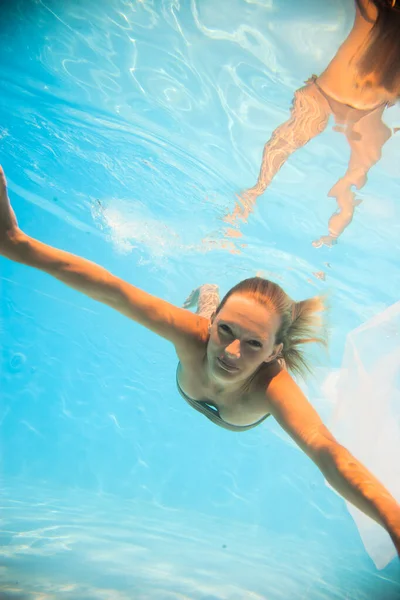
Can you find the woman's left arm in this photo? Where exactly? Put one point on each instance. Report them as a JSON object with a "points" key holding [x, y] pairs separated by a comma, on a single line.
{"points": [[347, 475]]}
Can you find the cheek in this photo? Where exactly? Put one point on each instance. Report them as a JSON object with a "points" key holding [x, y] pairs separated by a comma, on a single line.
{"points": [[215, 340], [256, 358], [213, 344]]}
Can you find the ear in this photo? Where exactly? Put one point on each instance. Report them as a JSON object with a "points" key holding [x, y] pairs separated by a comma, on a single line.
{"points": [[276, 352]]}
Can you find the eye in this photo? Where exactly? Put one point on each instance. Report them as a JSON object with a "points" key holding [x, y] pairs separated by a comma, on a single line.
{"points": [[255, 344], [225, 328]]}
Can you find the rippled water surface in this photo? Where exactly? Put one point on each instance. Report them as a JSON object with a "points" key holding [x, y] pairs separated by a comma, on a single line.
{"points": [[127, 129]]}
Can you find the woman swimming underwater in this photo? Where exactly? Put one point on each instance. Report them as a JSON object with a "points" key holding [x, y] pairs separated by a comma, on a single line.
{"points": [[234, 367]]}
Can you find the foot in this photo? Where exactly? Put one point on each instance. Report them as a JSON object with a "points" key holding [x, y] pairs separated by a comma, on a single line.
{"points": [[325, 240], [8, 221], [243, 207]]}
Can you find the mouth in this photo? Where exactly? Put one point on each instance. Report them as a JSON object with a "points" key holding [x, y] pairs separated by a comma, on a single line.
{"points": [[227, 366]]}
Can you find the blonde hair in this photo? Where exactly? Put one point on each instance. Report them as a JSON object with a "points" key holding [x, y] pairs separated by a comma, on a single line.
{"points": [[301, 322]]}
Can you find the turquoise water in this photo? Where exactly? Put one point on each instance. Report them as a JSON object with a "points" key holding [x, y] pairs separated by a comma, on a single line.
{"points": [[126, 130]]}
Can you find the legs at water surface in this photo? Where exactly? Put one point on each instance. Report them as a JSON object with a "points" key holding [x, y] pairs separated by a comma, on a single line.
{"points": [[366, 138], [366, 135]]}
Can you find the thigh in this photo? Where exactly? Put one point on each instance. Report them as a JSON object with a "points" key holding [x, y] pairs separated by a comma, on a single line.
{"points": [[309, 115]]}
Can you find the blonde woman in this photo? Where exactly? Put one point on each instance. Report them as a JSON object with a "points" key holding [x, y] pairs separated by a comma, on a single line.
{"points": [[234, 367]]}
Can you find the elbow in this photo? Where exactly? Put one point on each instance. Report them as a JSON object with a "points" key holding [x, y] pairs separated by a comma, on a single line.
{"points": [[324, 449]]}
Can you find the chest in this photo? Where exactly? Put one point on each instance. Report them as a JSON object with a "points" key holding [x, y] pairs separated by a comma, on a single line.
{"points": [[240, 406]]}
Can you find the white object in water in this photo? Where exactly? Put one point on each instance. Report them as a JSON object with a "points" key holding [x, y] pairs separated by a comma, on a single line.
{"points": [[366, 415]]}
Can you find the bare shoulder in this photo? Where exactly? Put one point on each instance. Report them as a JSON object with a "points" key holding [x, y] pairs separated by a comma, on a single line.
{"points": [[275, 385], [268, 377], [282, 388], [186, 330], [193, 334]]}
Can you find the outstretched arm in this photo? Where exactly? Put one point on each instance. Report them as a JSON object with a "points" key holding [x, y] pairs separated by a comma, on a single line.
{"points": [[345, 473], [175, 324]]}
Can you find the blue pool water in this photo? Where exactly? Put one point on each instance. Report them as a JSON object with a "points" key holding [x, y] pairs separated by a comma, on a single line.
{"points": [[126, 129]]}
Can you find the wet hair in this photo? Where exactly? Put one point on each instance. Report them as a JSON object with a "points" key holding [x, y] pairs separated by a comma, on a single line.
{"points": [[301, 322], [382, 56]]}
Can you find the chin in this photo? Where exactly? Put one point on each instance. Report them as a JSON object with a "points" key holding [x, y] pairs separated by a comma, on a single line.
{"points": [[225, 373]]}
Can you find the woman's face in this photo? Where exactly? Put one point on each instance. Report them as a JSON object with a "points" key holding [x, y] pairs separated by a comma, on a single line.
{"points": [[242, 337]]}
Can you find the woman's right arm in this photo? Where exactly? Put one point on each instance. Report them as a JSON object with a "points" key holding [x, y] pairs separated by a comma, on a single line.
{"points": [[177, 325], [163, 318]]}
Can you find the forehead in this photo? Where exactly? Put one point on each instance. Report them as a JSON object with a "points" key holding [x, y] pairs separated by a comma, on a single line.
{"points": [[250, 315]]}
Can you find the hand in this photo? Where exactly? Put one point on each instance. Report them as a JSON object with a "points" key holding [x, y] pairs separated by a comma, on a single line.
{"points": [[394, 533], [325, 240], [391, 522], [396, 542]]}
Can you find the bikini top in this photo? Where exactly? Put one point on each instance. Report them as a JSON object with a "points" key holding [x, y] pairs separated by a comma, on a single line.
{"points": [[211, 412]]}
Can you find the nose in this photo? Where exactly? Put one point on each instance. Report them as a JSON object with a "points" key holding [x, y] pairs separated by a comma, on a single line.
{"points": [[233, 350]]}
